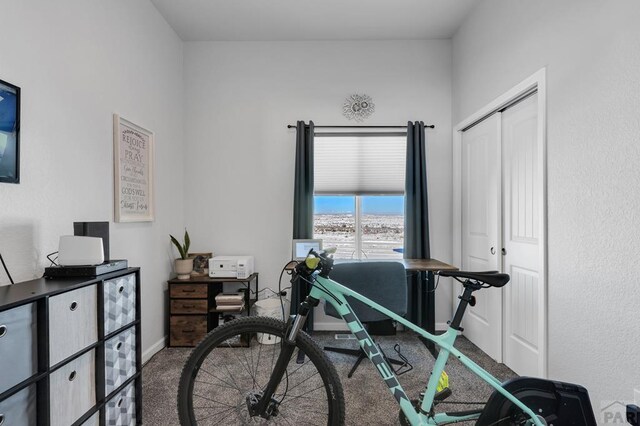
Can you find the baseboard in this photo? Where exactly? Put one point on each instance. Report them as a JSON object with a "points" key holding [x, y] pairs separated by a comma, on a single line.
{"points": [[330, 326], [333, 326], [442, 326], [154, 349]]}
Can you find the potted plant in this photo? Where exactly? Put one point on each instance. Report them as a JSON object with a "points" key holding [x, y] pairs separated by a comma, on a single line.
{"points": [[183, 265]]}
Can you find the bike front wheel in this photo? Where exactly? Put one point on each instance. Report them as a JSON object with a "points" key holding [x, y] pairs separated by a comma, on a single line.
{"points": [[229, 369]]}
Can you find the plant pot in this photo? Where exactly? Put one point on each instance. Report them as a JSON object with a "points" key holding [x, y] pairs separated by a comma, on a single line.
{"points": [[184, 268]]}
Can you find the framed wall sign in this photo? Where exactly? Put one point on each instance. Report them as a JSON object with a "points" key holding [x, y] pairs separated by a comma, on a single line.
{"points": [[9, 133], [133, 171]]}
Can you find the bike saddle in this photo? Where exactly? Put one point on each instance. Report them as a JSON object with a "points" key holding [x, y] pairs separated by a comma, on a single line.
{"points": [[492, 278]]}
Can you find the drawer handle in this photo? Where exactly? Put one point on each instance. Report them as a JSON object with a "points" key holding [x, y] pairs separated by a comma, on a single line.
{"points": [[186, 290], [3, 332], [118, 346], [191, 330], [73, 306], [188, 306], [120, 403], [1, 419], [72, 376], [121, 289]]}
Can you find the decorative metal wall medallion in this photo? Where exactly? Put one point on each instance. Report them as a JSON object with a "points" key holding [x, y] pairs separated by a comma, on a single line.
{"points": [[358, 107]]}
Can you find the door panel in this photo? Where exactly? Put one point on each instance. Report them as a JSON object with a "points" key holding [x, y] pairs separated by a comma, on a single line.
{"points": [[481, 209], [523, 296]]}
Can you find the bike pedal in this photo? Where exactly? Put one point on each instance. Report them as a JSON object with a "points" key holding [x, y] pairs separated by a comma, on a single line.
{"points": [[442, 395]]}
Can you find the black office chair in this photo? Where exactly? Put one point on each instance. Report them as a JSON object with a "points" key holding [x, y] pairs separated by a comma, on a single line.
{"points": [[383, 282]]}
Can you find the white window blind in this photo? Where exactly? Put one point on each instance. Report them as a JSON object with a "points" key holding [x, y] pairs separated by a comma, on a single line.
{"points": [[360, 165]]}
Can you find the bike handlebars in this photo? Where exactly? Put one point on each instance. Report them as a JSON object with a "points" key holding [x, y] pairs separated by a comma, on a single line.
{"points": [[315, 261]]}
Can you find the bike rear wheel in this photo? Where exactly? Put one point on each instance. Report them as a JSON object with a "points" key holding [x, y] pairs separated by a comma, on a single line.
{"points": [[230, 367]]}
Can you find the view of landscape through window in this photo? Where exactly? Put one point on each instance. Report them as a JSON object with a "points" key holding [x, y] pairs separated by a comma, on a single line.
{"points": [[381, 225], [3, 144]]}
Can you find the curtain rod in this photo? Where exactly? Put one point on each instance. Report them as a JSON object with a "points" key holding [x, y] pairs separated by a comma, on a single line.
{"points": [[292, 126]]}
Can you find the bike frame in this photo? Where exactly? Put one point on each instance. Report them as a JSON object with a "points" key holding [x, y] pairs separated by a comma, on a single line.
{"points": [[335, 294]]}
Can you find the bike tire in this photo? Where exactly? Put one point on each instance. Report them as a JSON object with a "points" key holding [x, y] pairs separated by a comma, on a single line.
{"points": [[249, 327]]}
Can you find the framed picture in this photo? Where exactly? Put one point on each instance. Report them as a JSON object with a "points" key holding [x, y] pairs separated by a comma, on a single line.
{"points": [[133, 159], [9, 133], [200, 263]]}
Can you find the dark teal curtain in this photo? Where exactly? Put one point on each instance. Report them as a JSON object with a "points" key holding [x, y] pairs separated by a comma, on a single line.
{"points": [[416, 205], [416, 211], [303, 205], [303, 187]]}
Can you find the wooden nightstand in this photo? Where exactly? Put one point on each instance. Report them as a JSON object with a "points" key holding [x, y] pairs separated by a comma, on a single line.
{"points": [[192, 306]]}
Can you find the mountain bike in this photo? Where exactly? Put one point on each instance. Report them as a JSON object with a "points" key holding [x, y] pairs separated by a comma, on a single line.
{"points": [[246, 371]]}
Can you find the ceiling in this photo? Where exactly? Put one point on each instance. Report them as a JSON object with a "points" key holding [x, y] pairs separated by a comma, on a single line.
{"points": [[290, 20]]}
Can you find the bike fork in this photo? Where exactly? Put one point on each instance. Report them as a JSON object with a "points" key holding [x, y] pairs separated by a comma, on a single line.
{"points": [[266, 406]]}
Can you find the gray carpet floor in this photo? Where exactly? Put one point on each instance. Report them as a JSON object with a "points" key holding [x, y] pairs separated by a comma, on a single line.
{"points": [[368, 400]]}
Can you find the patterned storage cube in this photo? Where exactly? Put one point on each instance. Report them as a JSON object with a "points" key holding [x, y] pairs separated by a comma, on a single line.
{"points": [[121, 409], [120, 359], [119, 302]]}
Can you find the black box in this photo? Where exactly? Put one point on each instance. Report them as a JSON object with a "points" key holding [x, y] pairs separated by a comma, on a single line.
{"points": [[85, 271]]}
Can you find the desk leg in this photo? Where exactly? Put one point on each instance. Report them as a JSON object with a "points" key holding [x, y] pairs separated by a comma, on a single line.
{"points": [[421, 305], [428, 314], [298, 294]]}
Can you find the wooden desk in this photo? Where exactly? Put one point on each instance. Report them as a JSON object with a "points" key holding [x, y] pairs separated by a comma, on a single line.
{"points": [[423, 307]]}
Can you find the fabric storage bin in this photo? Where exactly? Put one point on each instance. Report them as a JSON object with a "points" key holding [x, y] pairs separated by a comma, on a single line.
{"points": [[119, 359], [19, 409], [18, 345], [93, 420], [121, 409], [73, 322], [72, 390], [119, 302]]}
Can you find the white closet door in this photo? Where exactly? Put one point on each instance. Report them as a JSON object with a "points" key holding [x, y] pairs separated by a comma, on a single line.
{"points": [[522, 219], [481, 228]]}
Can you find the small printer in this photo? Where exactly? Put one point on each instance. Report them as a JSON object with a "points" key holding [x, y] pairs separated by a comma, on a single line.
{"points": [[231, 267]]}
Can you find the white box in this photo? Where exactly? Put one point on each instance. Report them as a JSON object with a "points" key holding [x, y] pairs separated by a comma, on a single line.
{"points": [[79, 251], [231, 267]]}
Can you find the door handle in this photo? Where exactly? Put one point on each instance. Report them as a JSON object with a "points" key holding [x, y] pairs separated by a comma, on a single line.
{"points": [[504, 252], [493, 250]]}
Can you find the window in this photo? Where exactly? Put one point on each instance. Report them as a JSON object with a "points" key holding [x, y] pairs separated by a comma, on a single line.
{"points": [[360, 226], [359, 195]]}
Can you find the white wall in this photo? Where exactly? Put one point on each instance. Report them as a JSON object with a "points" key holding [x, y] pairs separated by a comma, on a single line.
{"points": [[77, 63], [590, 49], [240, 156]]}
